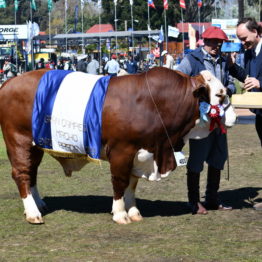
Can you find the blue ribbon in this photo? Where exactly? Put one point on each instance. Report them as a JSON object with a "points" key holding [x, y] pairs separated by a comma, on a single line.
{"points": [[204, 108]]}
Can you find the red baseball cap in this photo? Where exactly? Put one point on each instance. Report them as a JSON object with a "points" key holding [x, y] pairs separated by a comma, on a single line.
{"points": [[214, 32], [113, 56]]}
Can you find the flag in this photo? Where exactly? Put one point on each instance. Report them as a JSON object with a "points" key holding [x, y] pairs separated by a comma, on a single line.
{"points": [[173, 31], [16, 5], [33, 5], [199, 3], [182, 4], [131, 2], [99, 4], [83, 3], [161, 35], [151, 3], [165, 3], [49, 5], [2, 4], [115, 2]]}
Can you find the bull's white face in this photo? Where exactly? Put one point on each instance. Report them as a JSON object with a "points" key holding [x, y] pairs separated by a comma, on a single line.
{"points": [[217, 90], [217, 96]]}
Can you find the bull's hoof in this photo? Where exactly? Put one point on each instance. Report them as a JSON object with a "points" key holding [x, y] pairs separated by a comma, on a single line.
{"points": [[134, 214], [35, 220], [121, 218], [136, 218]]}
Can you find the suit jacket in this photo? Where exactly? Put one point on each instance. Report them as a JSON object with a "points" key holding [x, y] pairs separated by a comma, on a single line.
{"points": [[241, 73]]}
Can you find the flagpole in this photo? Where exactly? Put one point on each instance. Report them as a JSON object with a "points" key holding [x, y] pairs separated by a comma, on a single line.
{"points": [[132, 24], [66, 23], [199, 21], [149, 27], [115, 23], [100, 52], [165, 27], [182, 31], [82, 17], [16, 60], [32, 42], [49, 13]]}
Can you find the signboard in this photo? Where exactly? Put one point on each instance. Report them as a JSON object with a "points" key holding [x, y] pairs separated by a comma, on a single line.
{"points": [[228, 26], [225, 23], [13, 32]]}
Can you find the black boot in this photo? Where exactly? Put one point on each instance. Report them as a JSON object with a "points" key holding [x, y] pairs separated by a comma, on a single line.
{"points": [[212, 199], [193, 190]]}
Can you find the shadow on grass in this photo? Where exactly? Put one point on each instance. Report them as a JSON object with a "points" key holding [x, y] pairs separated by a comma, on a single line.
{"points": [[238, 199], [241, 197], [103, 204]]}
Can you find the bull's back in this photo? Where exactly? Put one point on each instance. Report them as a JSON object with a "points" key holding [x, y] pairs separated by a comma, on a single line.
{"points": [[17, 98]]}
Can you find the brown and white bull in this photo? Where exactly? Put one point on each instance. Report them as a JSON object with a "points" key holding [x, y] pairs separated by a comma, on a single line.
{"points": [[144, 120]]}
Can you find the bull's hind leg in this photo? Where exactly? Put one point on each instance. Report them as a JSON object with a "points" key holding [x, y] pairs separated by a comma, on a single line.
{"points": [[130, 201], [121, 163], [25, 160]]}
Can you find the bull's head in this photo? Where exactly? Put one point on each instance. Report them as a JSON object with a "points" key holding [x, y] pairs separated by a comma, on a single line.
{"points": [[211, 91]]}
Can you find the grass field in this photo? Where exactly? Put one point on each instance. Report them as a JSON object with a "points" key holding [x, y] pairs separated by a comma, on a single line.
{"points": [[79, 226]]}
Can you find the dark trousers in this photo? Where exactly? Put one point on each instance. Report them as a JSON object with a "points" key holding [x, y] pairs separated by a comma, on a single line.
{"points": [[259, 127]]}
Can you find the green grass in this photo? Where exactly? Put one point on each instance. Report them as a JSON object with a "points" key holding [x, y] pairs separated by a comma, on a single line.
{"points": [[79, 226]]}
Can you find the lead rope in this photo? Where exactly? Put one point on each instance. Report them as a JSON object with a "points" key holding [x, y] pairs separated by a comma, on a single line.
{"points": [[161, 120]]}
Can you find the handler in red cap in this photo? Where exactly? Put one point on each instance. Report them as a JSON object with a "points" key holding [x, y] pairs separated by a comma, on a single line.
{"points": [[112, 66], [212, 149]]}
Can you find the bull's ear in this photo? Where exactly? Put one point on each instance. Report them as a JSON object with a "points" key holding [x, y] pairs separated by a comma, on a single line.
{"points": [[202, 93]]}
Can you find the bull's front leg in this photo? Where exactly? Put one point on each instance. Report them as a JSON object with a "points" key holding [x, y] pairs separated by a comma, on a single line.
{"points": [[130, 201], [121, 163]]}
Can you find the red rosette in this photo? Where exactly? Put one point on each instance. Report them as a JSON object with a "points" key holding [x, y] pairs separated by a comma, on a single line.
{"points": [[214, 111], [214, 114]]}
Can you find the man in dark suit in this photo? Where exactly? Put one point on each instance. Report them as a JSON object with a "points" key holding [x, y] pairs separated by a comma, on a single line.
{"points": [[249, 33]]}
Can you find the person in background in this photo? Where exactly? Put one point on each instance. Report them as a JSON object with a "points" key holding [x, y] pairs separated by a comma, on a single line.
{"points": [[9, 69], [112, 66], [212, 149], [81, 63], [249, 33], [67, 64], [60, 64], [169, 60], [131, 65], [40, 64], [92, 66]]}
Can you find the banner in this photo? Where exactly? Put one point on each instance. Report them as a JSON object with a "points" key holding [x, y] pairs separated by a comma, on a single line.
{"points": [[131, 2], [173, 31], [192, 37], [199, 3]]}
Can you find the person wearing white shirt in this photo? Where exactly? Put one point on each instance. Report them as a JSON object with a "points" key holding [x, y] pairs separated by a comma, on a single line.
{"points": [[112, 66], [169, 60]]}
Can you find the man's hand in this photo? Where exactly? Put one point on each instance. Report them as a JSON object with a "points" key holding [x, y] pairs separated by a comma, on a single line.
{"points": [[231, 58], [251, 83]]}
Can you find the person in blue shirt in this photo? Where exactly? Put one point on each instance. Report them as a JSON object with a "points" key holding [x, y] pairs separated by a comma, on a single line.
{"points": [[131, 65], [212, 149]]}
